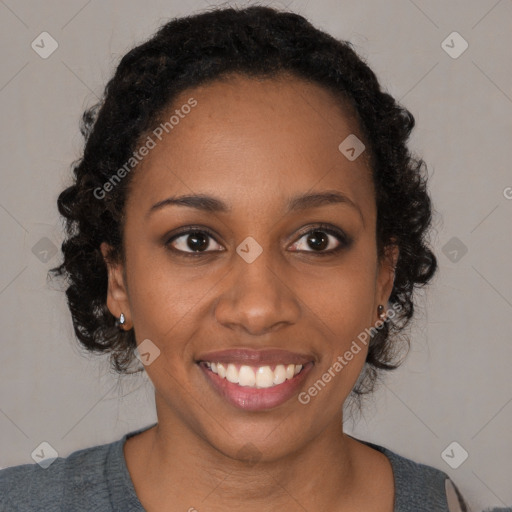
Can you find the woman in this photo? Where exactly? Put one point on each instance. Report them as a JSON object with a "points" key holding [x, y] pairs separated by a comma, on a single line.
{"points": [[248, 222]]}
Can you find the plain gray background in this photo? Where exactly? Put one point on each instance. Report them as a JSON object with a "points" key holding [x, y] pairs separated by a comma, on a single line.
{"points": [[455, 384]]}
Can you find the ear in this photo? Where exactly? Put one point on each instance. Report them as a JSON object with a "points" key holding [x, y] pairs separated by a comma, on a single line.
{"points": [[386, 273], [117, 295]]}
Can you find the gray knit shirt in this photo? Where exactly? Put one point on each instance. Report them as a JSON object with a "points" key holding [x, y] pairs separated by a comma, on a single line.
{"points": [[97, 479]]}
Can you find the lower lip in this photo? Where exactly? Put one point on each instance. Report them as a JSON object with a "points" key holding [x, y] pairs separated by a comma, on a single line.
{"points": [[256, 399]]}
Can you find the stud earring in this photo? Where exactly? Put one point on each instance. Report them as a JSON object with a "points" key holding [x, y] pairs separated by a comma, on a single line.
{"points": [[381, 312], [121, 321]]}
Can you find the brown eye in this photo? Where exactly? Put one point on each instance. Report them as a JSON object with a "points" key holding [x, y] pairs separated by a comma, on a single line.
{"points": [[322, 240], [318, 240], [192, 242]]}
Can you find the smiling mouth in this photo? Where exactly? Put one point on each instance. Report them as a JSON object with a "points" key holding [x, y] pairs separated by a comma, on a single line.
{"points": [[258, 377]]}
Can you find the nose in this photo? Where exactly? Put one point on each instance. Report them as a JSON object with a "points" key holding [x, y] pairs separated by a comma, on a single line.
{"points": [[258, 297]]}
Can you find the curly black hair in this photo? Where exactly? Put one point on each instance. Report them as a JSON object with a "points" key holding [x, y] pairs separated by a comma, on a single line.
{"points": [[255, 42]]}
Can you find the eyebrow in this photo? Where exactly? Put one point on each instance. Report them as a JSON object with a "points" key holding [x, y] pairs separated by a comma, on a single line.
{"points": [[214, 205]]}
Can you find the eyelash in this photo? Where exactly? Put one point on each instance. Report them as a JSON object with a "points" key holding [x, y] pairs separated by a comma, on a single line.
{"points": [[344, 240]]}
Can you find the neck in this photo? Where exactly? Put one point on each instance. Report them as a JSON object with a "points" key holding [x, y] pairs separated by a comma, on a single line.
{"points": [[180, 470]]}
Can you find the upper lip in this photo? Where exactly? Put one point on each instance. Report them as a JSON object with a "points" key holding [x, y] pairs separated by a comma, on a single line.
{"points": [[251, 357]]}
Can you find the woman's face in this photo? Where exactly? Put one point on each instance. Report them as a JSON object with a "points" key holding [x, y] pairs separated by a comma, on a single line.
{"points": [[258, 274]]}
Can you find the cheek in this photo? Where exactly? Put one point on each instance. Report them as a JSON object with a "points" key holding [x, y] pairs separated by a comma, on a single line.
{"points": [[166, 310], [340, 310], [342, 297], [163, 300]]}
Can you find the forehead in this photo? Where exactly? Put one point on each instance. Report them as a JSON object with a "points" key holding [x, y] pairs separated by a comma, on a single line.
{"points": [[263, 138]]}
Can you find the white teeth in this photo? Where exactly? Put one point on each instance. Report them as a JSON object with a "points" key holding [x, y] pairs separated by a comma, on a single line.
{"points": [[221, 370], [279, 374], [255, 377], [246, 376], [232, 374], [264, 377]]}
